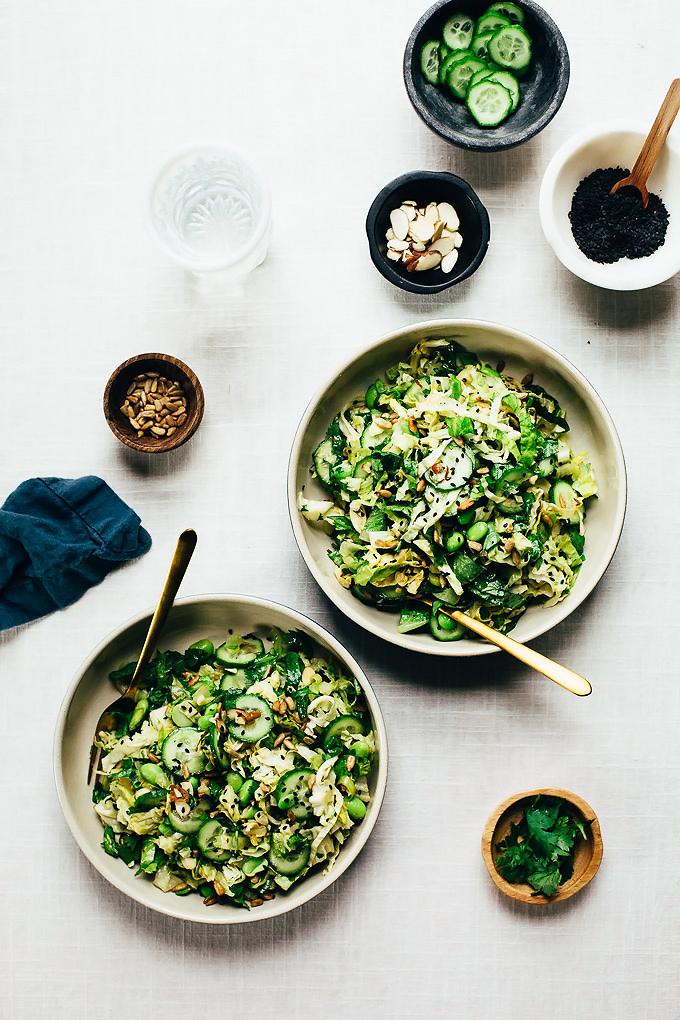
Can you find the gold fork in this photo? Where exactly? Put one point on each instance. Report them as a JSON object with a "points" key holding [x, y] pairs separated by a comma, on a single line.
{"points": [[541, 663], [125, 703]]}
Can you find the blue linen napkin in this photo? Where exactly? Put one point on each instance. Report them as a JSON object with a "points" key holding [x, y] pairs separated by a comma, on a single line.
{"points": [[58, 537]]}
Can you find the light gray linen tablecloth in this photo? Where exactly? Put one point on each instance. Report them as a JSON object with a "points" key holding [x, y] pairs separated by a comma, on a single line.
{"points": [[93, 98]]}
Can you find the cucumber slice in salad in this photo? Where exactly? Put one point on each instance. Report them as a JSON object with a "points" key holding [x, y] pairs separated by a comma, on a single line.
{"points": [[443, 628], [564, 497], [209, 837], [183, 747], [292, 793], [289, 861], [192, 822], [452, 470], [343, 724], [239, 651], [254, 729]]}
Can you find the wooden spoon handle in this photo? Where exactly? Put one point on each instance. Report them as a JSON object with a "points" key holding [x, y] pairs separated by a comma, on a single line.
{"points": [[553, 670], [654, 141]]}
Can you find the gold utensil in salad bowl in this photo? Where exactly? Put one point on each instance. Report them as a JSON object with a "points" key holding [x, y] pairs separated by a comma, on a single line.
{"points": [[542, 664], [186, 544]]}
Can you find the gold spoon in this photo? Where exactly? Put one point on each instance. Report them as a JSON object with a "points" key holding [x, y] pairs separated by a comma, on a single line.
{"points": [[558, 674], [653, 144], [126, 702]]}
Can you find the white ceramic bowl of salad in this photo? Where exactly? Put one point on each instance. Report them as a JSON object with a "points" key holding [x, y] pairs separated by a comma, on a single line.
{"points": [[591, 431], [217, 618]]}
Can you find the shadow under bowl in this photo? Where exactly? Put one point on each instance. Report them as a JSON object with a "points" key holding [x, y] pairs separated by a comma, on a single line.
{"points": [[542, 88]]}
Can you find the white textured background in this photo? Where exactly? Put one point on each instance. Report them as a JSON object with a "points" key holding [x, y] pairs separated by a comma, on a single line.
{"points": [[93, 97]]}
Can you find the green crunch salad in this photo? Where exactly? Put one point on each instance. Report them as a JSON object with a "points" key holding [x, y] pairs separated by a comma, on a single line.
{"points": [[451, 481], [238, 770]]}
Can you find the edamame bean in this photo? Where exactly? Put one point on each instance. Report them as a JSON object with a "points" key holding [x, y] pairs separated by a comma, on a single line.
{"points": [[205, 721], [453, 541], [466, 516], [154, 774], [166, 829], [235, 781], [247, 791], [360, 749], [477, 531], [356, 809], [445, 622], [140, 710], [205, 646]]}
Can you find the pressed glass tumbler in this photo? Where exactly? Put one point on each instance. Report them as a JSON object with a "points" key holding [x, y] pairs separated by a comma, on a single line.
{"points": [[210, 211]]}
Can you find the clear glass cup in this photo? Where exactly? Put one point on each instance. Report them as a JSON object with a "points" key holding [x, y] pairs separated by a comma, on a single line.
{"points": [[210, 211]]}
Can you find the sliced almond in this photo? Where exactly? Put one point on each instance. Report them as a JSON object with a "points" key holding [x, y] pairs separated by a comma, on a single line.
{"points": [[418, 246], [396, 245], [449, 261], [444, 245], [438, 228], [457, 239], [409, 210], [394, 256], [449, 215], [409, 201], [432, 213], [389, 234], [421, 229], [400, 224], [428, 261]]}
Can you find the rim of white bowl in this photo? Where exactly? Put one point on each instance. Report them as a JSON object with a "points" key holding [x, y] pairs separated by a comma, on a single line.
{"points": [[465, 648], [571, 257], [280, 904]]}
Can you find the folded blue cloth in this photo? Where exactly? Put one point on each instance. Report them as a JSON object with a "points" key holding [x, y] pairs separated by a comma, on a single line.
{"points": [[58, 537]]}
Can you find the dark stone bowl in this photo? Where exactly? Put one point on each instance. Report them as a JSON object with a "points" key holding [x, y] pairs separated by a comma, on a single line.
{"points": [[542, 88], [424, 186]]}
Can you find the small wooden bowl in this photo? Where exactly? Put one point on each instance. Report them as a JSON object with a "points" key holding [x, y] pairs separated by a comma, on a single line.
{"points": [[587, 857], [170, 368]]}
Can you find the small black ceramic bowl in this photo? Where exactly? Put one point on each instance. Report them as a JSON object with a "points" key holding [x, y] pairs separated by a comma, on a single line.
{"points": [[423, 187], [542, 89]]}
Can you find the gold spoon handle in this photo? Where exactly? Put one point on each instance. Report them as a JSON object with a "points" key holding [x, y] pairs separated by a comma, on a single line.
{"points": [[559, 674], [184, 550]]}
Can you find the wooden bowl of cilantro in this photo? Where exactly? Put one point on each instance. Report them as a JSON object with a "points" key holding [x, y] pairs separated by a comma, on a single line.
{"points": [[542, 846]]}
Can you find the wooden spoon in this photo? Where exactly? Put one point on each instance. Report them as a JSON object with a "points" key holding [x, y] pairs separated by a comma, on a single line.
{"points": [[542, 664], [653, 144]]}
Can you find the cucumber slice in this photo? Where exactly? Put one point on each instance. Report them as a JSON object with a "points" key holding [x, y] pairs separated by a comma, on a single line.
{"points": [[443, 628], [343, 724], [480, 45], [509, 10], [509, 82], [481, 76], [238, 651], [253, 731], [510, 48], [489, 103], [208, 835], [453, 58], [289, 862], [460, 74], [217, 748], [193, 821], [183, 714], [452, 470], [457, 31], [292, 792], [491, 22], [429, 65], [323, 458], [564, 497], [183, 747]]}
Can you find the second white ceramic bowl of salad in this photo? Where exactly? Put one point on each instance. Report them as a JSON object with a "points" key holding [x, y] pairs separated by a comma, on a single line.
{"points": [[591, 430], [193, 619]]}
